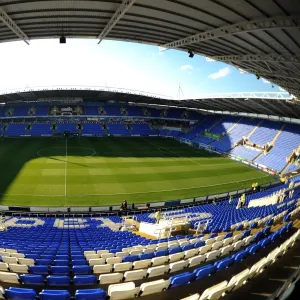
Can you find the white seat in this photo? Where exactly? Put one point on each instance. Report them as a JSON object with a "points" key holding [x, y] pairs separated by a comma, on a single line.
{"points": [[204, 238], [190, 253], [113, 260], [26, 261], [226, 250], [196, 260], [204, 249], [177, 266], [249, 239], [119, 267], [214, 292], [152, 246], [254, 269], [153, 287], [102, 251], [17, 255], [219, 238], [110, 278], [135, 275], [136, 252], [156, 271], [213, 255], [3, 267], [96, 261], [2, 292], [149, 250], [193, 241], [157, 261], [89, 252], [9, 277], [91, 256], [173, 245], [3, 253], [185, 243], [216, 245], [107, 255], [141, 264], [227, 241], [18, 268], [9, 260], [101, 269], [238, 245], [210, 241], [176, 257], [193, 297], [122, 291], [237, 237], [162, 244], [238, 280], [159, 248], [122, 254], [11, 250]]}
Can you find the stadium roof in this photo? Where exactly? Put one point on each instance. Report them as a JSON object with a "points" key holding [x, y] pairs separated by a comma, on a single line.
{"points": [[276, 103], [260, 37]]}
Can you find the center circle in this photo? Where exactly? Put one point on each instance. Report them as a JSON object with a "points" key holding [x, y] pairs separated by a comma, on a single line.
{"points": [[62, 151]]}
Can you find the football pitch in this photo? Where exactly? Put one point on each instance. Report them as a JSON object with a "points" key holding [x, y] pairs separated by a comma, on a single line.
{"points": [[104, 171]]}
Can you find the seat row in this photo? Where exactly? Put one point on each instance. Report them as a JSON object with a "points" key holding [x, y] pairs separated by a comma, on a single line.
{"points": [[128, 290]]}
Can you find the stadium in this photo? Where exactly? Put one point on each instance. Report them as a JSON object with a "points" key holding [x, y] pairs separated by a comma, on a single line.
{"points": [[114, 193]]}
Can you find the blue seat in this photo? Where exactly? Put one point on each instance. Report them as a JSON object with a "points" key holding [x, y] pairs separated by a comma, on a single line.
{"points": [[252, 249], [161, 253], [146, 256], [180, 279], [240, 227], [81, 270], [224, 263], [20, 294], [266, 231], [246, 233], [204, 271], [130, 258], [187, 247], [58, 280], [44, 262], [42, 270], [199, 244], [239, 256], [84, 279], [60, 270], [79, 262], [92, 294], [213, 235], [54, 295], [175, 250], [61, 262], [32, 279], [270, 222], [227, 235], [254, 225], [259, 235]]}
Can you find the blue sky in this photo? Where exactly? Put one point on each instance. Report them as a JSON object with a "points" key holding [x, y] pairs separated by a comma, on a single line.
{"points": [[119, 64]]}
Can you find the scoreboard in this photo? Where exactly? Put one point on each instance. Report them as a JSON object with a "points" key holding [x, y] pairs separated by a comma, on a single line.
{"points": [[66, 110]]}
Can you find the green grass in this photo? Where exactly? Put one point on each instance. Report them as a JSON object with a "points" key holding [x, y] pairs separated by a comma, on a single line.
{"points": [[104, 171]]}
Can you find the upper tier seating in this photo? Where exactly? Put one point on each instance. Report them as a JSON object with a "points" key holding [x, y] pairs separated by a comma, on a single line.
{"points": [[288, 140], [265, 133]]}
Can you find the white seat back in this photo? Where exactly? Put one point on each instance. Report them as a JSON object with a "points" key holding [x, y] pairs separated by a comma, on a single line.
{"points": [[153, 287]]}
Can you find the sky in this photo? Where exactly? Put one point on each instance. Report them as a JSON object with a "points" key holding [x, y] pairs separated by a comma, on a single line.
{"points": [[120, 64]]}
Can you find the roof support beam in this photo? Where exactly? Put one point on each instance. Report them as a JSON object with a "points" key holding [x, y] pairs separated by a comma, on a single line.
{"points": [[6, 19], [259, 57], [121, 11], [247, 26]]}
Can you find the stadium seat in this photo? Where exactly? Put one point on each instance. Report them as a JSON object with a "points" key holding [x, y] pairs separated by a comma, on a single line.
{"points": [[122, 291], [85, 279], [91, 294], [53, 280], [181, 279], [20, 293], [54, 294], [32, 279]]}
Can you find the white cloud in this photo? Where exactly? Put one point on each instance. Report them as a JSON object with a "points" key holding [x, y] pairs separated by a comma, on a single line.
{"points": [[265, 80], [186, 67], [281, 89], [221, 73], [208, 59]]}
